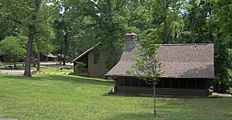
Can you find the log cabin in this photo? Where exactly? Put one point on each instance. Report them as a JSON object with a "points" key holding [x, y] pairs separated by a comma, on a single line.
{"points": [[188, 70], [94, 62]]}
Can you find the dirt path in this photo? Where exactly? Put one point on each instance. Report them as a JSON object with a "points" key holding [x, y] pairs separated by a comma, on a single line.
{"points": [[55, 64], [223, 95], [13, 72]]}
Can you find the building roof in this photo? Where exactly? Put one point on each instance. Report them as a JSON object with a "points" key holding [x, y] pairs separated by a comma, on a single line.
{"points": [[87, 51], [50, 55], [177, 61]]}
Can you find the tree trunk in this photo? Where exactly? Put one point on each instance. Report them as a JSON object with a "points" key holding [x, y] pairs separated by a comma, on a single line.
{"points": [[165, 34], [15, 65], [27, 71], [175, 36], [31, 35], [154, 96], [38, 62], [65, 46]]}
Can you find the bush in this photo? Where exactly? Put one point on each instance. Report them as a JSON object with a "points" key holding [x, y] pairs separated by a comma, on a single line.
{"points": [[13, 49], [79, 67], [229, 90]]}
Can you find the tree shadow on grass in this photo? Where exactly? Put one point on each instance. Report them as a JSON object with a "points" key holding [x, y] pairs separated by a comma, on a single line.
{"points": [[76, 79], [65, 78], [136, 116], [125, 95]]}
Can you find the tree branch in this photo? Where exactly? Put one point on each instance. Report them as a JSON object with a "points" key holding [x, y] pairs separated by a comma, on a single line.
{"points": [[14, 20]]}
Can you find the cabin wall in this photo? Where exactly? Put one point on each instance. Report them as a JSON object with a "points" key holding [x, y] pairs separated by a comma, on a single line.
{"points": [[98, 69]]}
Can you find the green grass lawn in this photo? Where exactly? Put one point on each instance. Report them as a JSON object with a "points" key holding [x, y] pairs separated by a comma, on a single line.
{"points": [[53, 70], [63, 97]]}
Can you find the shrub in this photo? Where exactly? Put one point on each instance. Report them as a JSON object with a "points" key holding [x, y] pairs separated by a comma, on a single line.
{"points": [[229, 90], [13, 49], [79, 67]]}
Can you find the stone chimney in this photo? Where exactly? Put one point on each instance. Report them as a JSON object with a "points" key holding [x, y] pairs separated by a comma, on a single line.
{"points": [[130, 41]]}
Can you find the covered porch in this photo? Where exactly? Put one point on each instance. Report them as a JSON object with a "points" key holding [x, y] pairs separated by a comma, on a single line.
{"points": [[165, 86]]}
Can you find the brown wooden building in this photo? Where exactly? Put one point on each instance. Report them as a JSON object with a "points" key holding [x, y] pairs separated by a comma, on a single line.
{"points": [[48, 57], [187, 69], [94, 60]]}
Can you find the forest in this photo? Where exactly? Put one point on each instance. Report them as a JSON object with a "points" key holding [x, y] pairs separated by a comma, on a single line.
{"points": [[29, 28]]}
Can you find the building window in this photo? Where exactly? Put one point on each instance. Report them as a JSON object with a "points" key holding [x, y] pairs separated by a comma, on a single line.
{"points": [[127, 82], [142, 83], [200, 84], [191, 84], [145, 83], [96, 56], [120, 82], [166, 83], [183, 84], [135, 82], [175, 83]]}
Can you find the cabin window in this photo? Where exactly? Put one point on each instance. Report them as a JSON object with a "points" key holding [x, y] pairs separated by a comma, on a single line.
{"points": [[175, 83], [183, 84], [120, 82], [135, 82], [127, 82], [191, 84], [166, 83], [143, 83], [96, 56], [200, 84]]}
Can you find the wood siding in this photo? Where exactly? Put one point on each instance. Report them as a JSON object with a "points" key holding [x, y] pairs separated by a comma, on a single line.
{"points": [[98, 69]]}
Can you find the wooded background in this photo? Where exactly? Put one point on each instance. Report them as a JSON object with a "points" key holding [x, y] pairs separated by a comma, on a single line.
{"points": [[69, 27]]}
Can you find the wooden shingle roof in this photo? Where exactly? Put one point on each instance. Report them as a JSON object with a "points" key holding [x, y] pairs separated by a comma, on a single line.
{"points": [[177, 61], [86, 52]]}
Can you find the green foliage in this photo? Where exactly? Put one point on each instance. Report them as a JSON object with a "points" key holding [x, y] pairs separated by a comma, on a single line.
{"points": [[80, 66], [209, 21], [8, 28], [146, 65], [44, 29], [229, 90], [197, 21], [13, 48], [150, 39]]}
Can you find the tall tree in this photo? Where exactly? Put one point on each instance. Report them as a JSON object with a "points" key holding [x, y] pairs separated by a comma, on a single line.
{"points": [[98, 21], [220, 27], [207, 21], [28, 18], [44, 31], [31, 37], [165, 16]]}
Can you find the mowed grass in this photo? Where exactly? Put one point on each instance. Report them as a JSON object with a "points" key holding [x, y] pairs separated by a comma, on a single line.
{"points": [[63, 97], [54, 70]]}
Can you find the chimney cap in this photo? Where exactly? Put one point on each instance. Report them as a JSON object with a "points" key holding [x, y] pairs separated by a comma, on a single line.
{"points": [[130, 33]]}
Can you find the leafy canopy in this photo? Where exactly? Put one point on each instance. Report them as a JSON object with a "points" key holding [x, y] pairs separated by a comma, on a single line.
{"points": [[13, 48]]}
